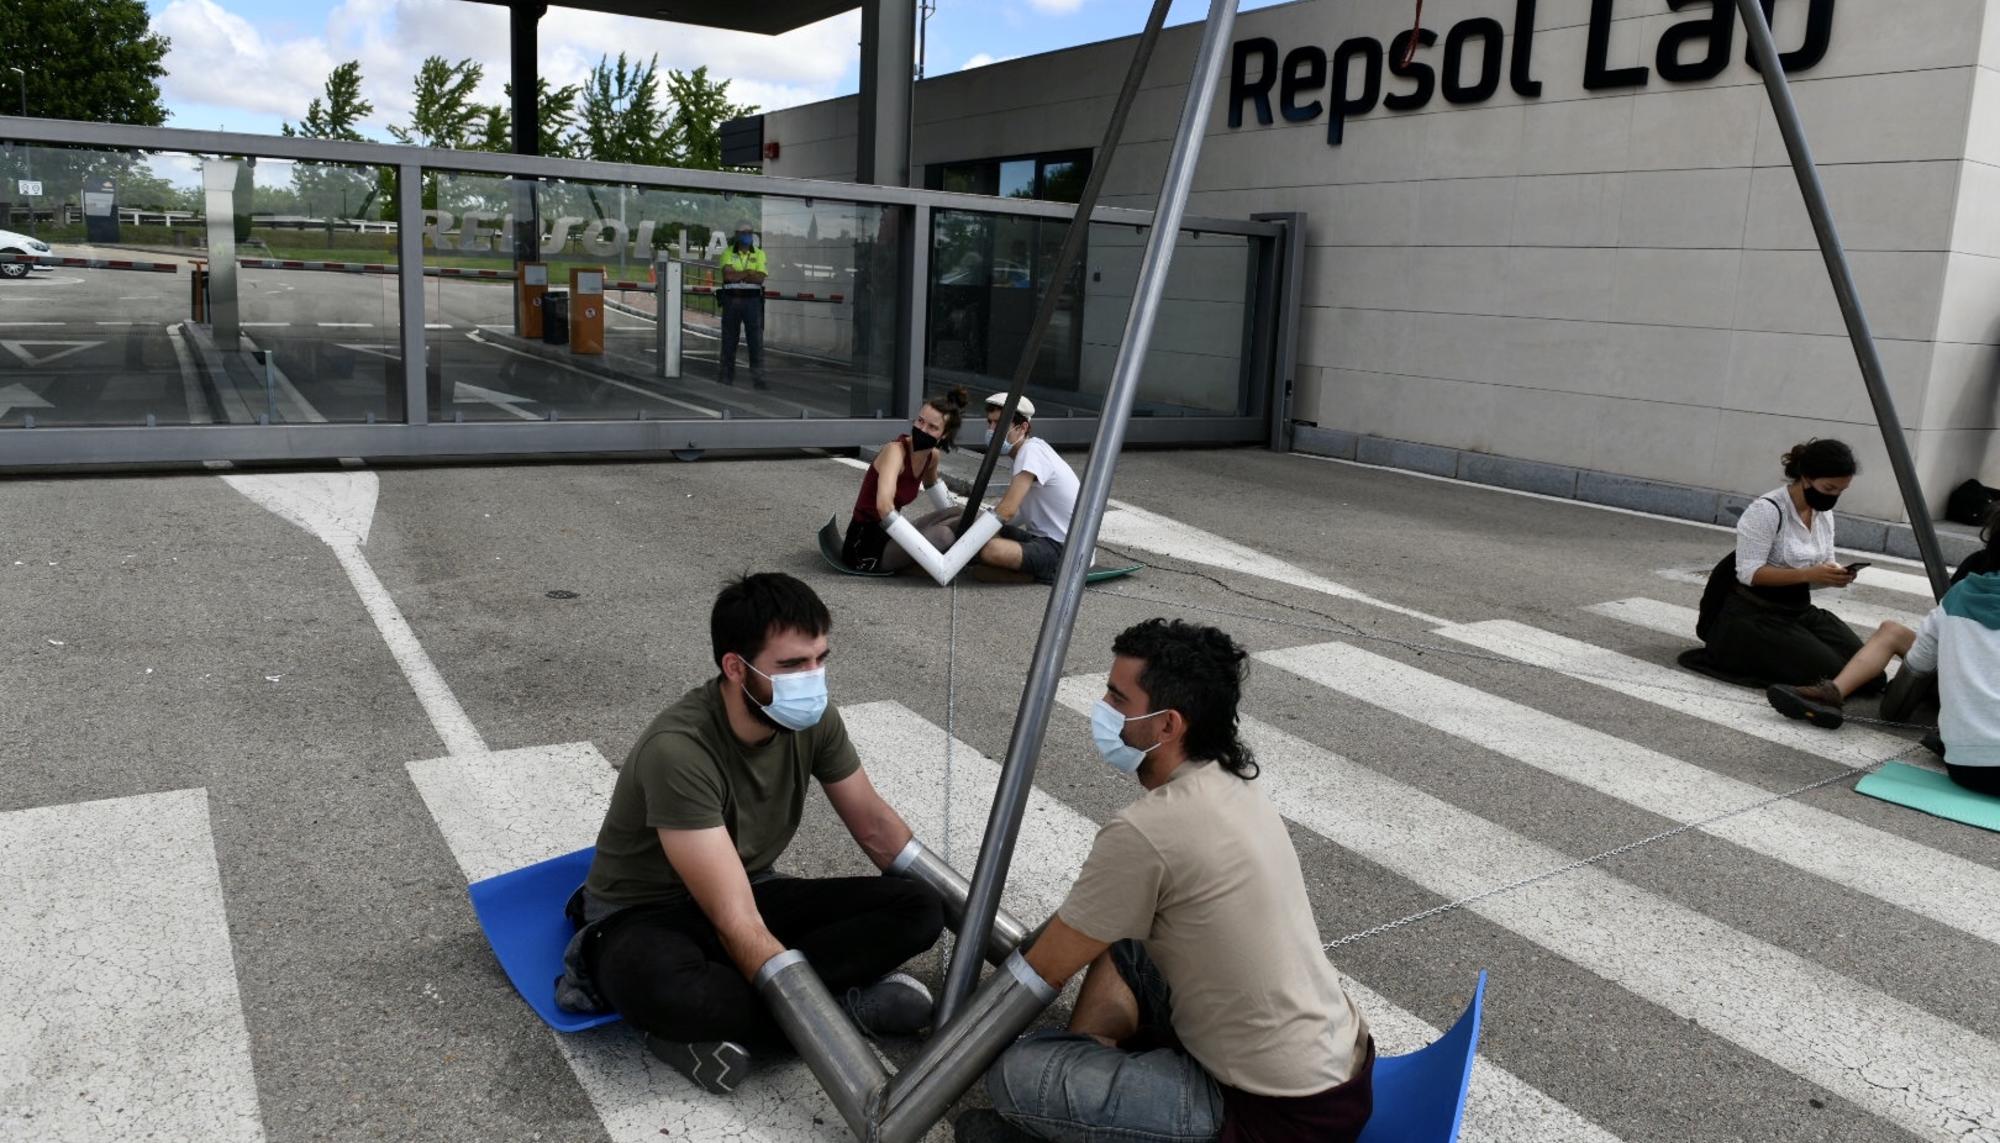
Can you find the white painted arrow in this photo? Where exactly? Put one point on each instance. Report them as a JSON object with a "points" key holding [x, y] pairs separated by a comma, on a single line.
{"points": [[20, 349], [492, 397], [20, 397]]}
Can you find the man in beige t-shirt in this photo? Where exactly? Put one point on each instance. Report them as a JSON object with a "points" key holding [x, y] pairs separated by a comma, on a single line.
{"points": [[1209, 1010]]}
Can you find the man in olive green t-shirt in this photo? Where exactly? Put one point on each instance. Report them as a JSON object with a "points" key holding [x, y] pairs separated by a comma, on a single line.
{"points": [[1209, 1010], [682, 905]]}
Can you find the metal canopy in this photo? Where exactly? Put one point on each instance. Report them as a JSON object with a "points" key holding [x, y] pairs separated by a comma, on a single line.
{"points": [[769, 17]]}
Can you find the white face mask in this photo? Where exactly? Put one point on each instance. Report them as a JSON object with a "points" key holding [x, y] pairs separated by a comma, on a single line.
{"points": [[798, 699]]}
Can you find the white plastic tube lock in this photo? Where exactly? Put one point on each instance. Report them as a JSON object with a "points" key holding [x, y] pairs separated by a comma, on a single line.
{"points": [[939, 495], [942, 568]]}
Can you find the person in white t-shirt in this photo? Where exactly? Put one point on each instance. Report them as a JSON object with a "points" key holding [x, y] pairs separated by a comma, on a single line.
{"points": [[1040, 499]]}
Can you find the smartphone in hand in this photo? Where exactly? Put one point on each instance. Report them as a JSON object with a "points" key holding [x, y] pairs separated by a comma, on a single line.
{"points": [[1855, 567]]}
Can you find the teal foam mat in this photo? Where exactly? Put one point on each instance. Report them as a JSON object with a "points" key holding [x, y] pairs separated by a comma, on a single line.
{"points": [[1930, 792]]}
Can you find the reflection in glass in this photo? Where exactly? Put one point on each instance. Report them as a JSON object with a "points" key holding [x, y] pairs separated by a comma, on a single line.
{"points": [[118, 334], [979, 316], [320, 343], [829, 309]]}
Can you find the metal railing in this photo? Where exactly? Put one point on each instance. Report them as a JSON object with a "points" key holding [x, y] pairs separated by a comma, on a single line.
{"points": [[408, 422]]}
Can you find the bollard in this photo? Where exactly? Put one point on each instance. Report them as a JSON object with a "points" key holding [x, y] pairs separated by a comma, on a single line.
{"points": [[667, 315]]}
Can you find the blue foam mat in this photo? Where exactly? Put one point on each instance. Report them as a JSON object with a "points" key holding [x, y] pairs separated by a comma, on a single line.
{"points": [[1930, 792], [1420, 1097], [521, 912]]}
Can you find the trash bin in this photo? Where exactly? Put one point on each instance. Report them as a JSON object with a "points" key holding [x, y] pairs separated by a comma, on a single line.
{"points": [[555, 317]]}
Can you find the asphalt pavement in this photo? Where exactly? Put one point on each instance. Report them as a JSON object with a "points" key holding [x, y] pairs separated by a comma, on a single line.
{"points": [[259, 735]]}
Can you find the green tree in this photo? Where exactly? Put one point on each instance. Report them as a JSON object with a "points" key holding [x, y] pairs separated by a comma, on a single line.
{"points": [[443, 113], [85, 59], [700, 107], [330, 190], [557, 114], [622, 119], [337, 115], [93, 60]]}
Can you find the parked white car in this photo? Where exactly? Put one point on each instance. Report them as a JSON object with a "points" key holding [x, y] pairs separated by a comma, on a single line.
{"points": [[12, 243]]}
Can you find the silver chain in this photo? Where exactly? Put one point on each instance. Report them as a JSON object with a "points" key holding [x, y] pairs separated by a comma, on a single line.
{"points": [[1524, 882], [1348, 630]]}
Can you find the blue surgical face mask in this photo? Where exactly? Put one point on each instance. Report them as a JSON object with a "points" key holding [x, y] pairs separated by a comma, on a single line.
{"points": [[1006, 446], [1107, 731], [797, 699]]}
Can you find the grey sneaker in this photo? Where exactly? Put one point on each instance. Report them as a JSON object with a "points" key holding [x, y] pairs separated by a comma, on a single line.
{"points": [[896, 1005], [984, 1125], [715, 1066], [1818, 704]]}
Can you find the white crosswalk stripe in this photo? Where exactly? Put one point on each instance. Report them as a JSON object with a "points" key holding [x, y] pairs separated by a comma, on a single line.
{"points": [[1690, 694], [1668, 619], [511, 808], [1947, 889], [1857, 612], [905, 758], [123, 1019], [1925, 1074]]}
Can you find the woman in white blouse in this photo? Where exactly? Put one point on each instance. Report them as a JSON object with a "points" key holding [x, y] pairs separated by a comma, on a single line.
{"points": [[1768, 628]]}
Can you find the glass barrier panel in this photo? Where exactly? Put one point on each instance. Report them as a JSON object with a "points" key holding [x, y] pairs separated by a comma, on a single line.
{"points": [[96, 249], [989, 271], [574, 331], [126, 320], [317, 293]]}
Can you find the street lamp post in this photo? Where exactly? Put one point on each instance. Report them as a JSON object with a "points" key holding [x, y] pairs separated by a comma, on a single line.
{"points": [[27, 150]]}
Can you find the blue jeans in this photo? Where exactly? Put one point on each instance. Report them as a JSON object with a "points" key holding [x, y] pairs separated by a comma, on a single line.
{"points": [[1072, 1089], [742, 310]]}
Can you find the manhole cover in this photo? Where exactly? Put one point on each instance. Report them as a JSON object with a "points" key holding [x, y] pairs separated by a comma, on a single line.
{"points": [[559, 593]]}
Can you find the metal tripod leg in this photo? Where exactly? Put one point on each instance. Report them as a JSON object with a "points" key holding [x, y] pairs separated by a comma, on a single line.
{"points": [[1018, 775], [1765, 51]]}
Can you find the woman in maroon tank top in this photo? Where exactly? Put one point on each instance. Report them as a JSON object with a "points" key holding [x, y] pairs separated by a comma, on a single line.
{"points": [[904, 468]]}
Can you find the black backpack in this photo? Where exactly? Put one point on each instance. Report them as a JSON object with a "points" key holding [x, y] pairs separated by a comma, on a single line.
{"points": [[1722, 581], [1971, 503]]}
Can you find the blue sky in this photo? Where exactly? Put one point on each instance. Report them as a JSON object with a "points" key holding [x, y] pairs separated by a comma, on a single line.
{"points": [[250, 65]]}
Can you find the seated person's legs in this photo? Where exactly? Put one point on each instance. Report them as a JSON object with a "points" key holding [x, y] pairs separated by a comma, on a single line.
{"points": [[665, 972], [1978, 779], [1019, 550], [856, 932], [1071, 1086], [1820, 702]]}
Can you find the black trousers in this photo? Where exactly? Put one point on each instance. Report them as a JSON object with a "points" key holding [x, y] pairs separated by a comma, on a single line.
{"points": [[663, 968], [1978, 779], [1795, 647], [742, 315]]}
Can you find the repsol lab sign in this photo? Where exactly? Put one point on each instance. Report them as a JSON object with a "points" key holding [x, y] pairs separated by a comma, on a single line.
{"points": [[1478, 54]]}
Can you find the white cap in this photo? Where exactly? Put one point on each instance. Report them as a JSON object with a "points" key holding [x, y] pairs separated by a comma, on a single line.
{"points": [[1025, 407]]}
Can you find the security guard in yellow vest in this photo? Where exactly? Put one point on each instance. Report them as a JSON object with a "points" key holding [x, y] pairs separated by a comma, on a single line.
{"points": [[742, 295]]}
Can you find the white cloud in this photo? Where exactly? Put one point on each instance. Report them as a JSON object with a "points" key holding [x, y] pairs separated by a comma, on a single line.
{"points": [[1061, 7], [983, 59], [222, 59]]}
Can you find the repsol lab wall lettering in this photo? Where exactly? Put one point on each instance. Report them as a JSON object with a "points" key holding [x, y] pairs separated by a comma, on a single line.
{"points": [[1349, 80]]}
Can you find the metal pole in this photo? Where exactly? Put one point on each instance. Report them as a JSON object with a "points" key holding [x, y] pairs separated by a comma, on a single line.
{"points": [[1072, 248], [667, 314], [1765, 51], [27, 150], [1017, 778]]}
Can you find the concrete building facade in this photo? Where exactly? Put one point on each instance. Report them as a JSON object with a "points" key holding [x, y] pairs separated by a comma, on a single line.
{"points": [[1566, 232]]}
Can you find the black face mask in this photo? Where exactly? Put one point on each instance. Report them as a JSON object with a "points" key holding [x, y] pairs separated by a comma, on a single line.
{"points": [[921, 440], [1820, 501]]}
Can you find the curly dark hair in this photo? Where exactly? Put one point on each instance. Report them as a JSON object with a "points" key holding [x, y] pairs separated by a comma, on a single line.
{"points": [[1199, 672]]}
